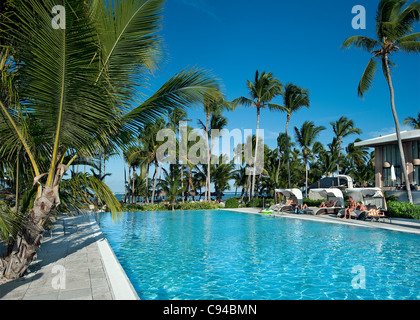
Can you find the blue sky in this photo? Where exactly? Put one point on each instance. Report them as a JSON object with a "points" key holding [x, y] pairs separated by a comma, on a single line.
{"points": [[299, 42]]}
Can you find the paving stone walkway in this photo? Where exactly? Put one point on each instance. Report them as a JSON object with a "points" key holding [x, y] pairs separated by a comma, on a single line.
{"points": [[69, 266]]}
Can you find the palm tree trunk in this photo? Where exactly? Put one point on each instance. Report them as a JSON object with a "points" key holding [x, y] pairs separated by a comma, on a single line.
{"points": [[256, 151], [397, 128], [338, 161], [29, 238], [133, 199], [306, 178], [125, 183], [154, 183], [147, 182], [17, 183], [182, 183], [207, 195], [287, 151], [129, 181]]}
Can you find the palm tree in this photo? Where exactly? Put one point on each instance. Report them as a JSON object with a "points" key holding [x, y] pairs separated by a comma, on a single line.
{"points": [[394, 27], [294, 99], [306, 136], [342, 128], [262, 91], [78, 86], [213, 105], [414, 123]]}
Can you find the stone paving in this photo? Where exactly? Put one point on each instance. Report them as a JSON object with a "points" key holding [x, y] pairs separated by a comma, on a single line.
{"points": [[69, 265]]}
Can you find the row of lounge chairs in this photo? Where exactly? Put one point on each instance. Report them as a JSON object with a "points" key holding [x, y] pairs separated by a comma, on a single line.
{"points": [[336, 208], [371, 213]]}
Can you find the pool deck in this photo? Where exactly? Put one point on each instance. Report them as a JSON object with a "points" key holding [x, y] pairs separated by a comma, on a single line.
{"points": [[76, 262], [397, 224]]}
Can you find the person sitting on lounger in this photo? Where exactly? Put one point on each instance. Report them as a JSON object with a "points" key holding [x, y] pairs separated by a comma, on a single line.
{"points": [[301, 207], [352, 206]]}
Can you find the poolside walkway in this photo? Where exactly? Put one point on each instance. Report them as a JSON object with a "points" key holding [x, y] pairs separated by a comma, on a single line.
{"points": [[74, 263]]}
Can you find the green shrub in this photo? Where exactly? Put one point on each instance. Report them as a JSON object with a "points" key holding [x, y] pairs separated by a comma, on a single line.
{"points": [[398, 209], [255, 203], [197, 206], [232, 203], [313, 203]]}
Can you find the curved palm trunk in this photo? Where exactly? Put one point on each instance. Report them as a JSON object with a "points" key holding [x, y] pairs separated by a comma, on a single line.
{"points": [[397, 128], [255, 157], [29, 238]]}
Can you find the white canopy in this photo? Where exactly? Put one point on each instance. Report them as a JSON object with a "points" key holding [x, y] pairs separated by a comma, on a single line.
{"points": [[367, 195], [294, 194], [328, 194]]}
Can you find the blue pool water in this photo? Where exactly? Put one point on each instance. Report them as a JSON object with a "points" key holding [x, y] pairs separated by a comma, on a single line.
{"points": [[228, 255]]}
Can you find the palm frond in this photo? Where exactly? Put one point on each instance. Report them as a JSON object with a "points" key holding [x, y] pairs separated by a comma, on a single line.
{"points": [[130, 47], [360, 42], [367, 77], [184, 89]]}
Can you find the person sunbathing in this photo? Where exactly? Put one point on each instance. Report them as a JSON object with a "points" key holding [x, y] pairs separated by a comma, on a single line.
{"points": [[288, 202], [352, 206], [375, 213], [301, 207]]}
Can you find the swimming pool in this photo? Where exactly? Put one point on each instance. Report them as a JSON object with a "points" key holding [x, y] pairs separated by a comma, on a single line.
{"points": [[210, 255]]}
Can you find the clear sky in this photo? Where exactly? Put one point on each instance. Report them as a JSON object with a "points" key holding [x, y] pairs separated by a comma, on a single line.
{"points": [[299, 42]]}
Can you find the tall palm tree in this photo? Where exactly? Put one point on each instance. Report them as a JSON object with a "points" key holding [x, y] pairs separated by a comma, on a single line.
{"points": [[305, 137], [414, 123], [262, 91], [79, 85], [294, 99], [213, 105], [394, 26], [342, 128]]}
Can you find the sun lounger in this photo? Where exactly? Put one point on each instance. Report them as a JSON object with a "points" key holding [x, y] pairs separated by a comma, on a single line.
{"points": [[331, 208], [355, 214], [377, 217]]}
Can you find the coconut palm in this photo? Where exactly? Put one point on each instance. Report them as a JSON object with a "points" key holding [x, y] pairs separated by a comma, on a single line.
{"points": [[306, 137], [412, 122], [294, 98], [213, 106], [394, 27], [79, 85], [342, 128], [262, 91]]}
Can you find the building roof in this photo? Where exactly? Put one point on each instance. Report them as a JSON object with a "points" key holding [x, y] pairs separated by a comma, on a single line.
{"points": [[411, 135]]}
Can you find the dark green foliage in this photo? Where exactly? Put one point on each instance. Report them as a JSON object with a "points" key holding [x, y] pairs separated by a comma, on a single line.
{"points": [[232, 203], [407, 210]]}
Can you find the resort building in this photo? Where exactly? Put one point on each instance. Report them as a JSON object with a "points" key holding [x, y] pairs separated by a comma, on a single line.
{"points": [[388, 172]]}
